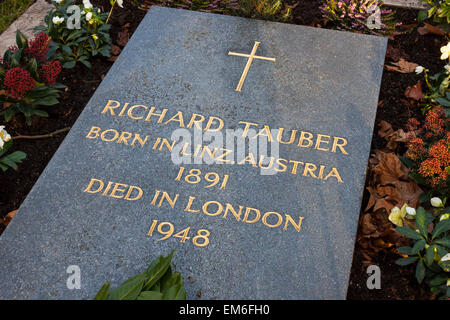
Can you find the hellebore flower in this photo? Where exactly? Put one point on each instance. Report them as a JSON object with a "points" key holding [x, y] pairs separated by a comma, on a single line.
{"points": [[436, 202], [57, 20], [396, 216], [120, 3], [445, 50], [87, 4], [419, 69], [4, 136]]}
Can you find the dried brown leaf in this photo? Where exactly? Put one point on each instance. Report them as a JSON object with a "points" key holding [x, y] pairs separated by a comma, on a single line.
{"points": [[402, 66]]}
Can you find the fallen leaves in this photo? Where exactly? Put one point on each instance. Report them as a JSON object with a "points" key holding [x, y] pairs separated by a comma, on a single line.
{"points": [[7, 219], [430, 29], [124, 35], [393, 137], [415, 92], [402, 66], [389, 186]]}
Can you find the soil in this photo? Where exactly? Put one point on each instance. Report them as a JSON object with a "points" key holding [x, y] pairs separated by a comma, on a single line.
{"points": [[396, 282]]}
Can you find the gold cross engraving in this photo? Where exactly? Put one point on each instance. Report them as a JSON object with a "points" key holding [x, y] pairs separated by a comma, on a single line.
{"points": [[250, 57]]}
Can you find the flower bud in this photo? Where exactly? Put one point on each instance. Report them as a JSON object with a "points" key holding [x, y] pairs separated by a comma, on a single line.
{"points": [[436, 202]]}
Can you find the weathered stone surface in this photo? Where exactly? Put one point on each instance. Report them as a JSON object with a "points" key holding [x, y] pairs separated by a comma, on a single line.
{"points": [[32, 17], [323, 82]]}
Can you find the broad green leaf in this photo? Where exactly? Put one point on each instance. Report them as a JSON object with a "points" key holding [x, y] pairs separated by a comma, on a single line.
{"points": [[438, 280], [406, 261], [175, 292], [443, 102], [409, 233], [157, 271], [425, 196], [103, 293], [21, 40], [69, 64], [17, 156], [40, 113], [47, 101], [406, 161], [418, 246], [429, 255], [86, 63], [420, 271], [445, 242], [421, 219], [441, 227], [128, 290], [150, 295]]}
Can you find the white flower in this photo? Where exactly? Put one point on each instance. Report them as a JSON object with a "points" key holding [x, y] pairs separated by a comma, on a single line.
{"points": [[445, 50], [410, 211], [87, 4], [4, 136], [447, 68], [57, 20], [443, 259], [120, 3], [59, 1], [396, 216], [419, 69], [88, 16], [82, 12], [436, 202]]}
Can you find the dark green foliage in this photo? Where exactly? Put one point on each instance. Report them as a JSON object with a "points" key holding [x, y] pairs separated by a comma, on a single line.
{"points": [[158, 282]]}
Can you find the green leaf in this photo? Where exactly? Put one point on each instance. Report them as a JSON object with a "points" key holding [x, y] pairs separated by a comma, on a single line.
{"points": [[409, 233], [47, 101], [3, 167], [418, 246], [103, 293], [429, 255], [17, 156], [406, 261], [443, 102], [438, 280], [150, 295], [32, 68], [421, 219], [129, 290], [40, 113], [442, 226], [86, 63], [21, 40], [422, 15], [175, 292], [444, 242], [9, 112], [157, 270], [69, 64], [420, 271], [406, 161], [426, 196]]}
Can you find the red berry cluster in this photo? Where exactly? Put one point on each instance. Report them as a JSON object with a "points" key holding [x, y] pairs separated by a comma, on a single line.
{"points": [[17, 82], [38, 47], [50, 71]]}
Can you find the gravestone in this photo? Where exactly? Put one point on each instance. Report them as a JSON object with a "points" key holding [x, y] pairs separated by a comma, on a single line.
{"points": [[271, 214]]}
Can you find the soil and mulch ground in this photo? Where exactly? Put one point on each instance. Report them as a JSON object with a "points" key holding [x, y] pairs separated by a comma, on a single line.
{"points": [[396, 282]]}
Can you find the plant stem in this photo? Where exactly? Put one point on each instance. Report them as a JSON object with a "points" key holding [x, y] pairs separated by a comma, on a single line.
{"points": [[110, 11], [49, 135]]}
